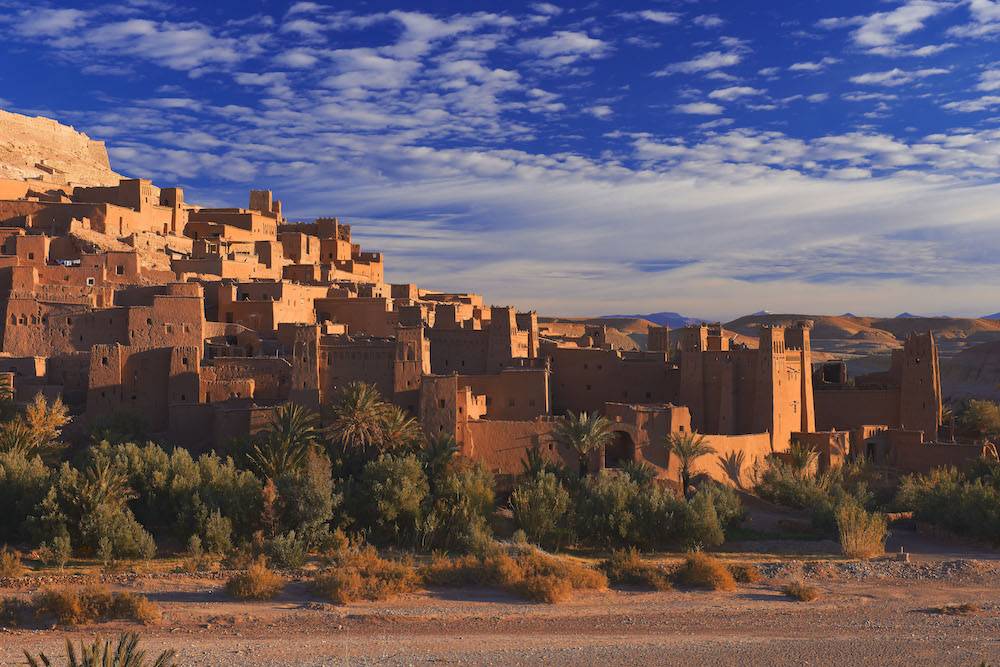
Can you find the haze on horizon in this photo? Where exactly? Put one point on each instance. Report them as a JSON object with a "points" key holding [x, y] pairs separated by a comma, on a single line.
{"points": [[711, 158]]}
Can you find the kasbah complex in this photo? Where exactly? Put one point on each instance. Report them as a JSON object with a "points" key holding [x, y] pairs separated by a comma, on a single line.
{"points": [[124, 299]]}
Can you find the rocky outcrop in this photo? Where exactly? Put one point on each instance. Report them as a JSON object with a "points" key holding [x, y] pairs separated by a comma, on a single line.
{"points": [[41, 148]]}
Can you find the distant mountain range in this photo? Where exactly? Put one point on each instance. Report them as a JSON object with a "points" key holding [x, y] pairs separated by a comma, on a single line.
{"points": [[670, 319]]}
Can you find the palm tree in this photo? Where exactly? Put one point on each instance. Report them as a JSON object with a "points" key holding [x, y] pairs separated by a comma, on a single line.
{"points": [[7, 406], [399, 429], [688, 447], [357, 417], [803, 459], [437, 455], [17, 438], [102, 654], [583, 434], [284, 445], [102, 483]]}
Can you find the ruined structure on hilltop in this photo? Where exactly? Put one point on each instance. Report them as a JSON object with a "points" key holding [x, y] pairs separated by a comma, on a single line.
{"points": [[124, 298]]}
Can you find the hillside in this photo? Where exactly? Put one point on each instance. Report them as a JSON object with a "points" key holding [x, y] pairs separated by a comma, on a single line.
{"points": [[972, 373], [41, 148], [825, 327], [668, 318]]}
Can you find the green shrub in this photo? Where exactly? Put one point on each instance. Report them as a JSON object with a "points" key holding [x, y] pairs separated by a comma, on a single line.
{"points": [[57, 552], [307, 500], [217, 532], [606, 509], [541, 506], [862, 535], [288, 550], [728, 508], [390, 498], [964, 503], [257, 583], [460, 504], [625, 567], [701, 527], [175, 491], [820, 493], [703, 571], [639, 472], [23, 484]]}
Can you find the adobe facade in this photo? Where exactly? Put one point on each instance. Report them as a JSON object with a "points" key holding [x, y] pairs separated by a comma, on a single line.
{"points": [[127, 299]]}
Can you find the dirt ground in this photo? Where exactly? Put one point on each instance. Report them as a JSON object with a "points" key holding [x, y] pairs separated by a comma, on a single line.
{"points": [[879, 613]]}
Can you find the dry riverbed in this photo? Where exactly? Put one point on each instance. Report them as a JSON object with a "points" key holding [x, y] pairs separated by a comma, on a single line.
{"points": [[876, 613]]}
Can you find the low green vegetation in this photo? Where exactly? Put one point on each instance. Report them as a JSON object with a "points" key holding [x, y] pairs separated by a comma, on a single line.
{"points": [[964, 502], [295, 489]]}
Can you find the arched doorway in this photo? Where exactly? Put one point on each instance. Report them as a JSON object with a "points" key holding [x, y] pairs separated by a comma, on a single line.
{"points": [[619, 451]]}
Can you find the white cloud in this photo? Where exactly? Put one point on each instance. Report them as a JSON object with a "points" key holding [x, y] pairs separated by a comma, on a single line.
{"points": [[602, 111], [663, 18], [44, 22], [699, 108], [704, 63], [818, 97], [815, 66], [881, 31], [547, 8], [734, 92], [896, 76], [865, 97], [565, 47], [297, 58], [708, 21], [984, 103], [985, 20], [989, 80]]}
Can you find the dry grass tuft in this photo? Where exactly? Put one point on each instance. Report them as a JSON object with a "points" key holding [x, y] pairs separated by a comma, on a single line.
{"points": [[626, 568], [862, 535], [10, 564], [531, 574], [745, 573], [703, 571], [363, 575], [801, 591], [75, 606], [257, 583]]}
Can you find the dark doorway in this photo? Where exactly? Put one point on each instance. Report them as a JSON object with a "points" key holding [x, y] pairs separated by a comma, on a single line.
{"points": [[620, 451]]}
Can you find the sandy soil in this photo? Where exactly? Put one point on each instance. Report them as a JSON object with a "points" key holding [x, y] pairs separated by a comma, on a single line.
{"points": [[869, 614]]}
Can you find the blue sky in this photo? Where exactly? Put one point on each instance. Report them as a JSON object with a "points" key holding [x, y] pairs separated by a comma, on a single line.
{"points": [[713, 158]]}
